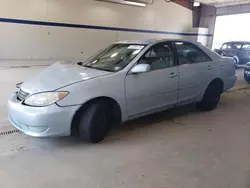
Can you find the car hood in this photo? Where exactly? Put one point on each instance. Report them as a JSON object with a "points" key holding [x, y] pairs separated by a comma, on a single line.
{"points": [[60, 75]]}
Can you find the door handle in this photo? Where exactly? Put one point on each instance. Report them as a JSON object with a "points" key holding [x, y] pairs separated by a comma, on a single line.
{"points": [[172, 75], [209, 67]]}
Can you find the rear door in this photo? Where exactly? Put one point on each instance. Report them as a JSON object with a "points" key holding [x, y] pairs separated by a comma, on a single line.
{"points": [[196, 70]]}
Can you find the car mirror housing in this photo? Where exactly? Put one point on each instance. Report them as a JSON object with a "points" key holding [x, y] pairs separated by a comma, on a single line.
{"points": [[140, 68]]}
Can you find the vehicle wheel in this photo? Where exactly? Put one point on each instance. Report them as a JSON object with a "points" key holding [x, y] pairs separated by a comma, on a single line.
{"points": [[96, 122], [211, 97], [236, 61]]}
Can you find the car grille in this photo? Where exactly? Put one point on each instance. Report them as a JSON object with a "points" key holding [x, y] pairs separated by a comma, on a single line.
{"points": [[22, 95]]}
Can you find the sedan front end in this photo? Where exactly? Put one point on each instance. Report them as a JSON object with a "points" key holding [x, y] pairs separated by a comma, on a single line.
{"points": [[39, 120]]}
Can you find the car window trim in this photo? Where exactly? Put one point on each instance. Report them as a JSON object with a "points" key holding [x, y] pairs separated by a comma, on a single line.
{"points": [[165, 42], [236, 43], [225, 44], [210, 59], [245, 49]]}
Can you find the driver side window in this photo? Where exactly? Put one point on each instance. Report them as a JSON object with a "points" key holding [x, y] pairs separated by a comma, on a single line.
{"points": [[159, 56], [224, 46]]}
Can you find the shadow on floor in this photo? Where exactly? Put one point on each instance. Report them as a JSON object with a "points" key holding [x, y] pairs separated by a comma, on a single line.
{"points": [[123, 131], [167, 115]]}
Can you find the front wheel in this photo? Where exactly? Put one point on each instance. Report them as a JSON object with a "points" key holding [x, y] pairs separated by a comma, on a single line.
{"points": [[96, 122], [211, 98]]}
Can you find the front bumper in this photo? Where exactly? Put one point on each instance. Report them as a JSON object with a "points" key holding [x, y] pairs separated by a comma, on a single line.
{"points": [[247, 71], [47, 121]]}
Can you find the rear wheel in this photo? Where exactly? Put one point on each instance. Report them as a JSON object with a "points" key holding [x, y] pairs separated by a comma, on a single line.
{"points": [[96, 121], [211, 97]]}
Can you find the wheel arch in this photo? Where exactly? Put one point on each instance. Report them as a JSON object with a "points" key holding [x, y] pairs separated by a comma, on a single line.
{"points": [[219, 83], [236, 59], [76, 118]]}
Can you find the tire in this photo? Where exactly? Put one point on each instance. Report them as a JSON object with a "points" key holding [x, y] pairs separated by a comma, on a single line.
{"points": [[96, 121], [236, 60], [211, 97]]}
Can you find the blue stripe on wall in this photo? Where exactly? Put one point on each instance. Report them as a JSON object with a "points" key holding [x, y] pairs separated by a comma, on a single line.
{"points": [[55, 24]]}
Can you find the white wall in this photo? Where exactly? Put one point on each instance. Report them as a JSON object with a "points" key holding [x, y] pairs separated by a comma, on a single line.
{"points": [[233, 27], [46, 43]]}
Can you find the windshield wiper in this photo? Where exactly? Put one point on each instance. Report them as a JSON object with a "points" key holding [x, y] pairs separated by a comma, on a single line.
{"points": [[98, 68], [88, 66]]}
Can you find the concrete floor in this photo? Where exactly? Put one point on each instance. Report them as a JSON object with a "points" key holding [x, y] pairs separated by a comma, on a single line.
{"points": [[177, 148]]}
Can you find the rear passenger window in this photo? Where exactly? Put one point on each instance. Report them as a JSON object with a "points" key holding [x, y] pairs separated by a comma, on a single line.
{"points": [[246, 47], [188, 53]]}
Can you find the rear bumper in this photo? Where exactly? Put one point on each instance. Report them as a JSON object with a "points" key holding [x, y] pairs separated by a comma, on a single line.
{"points": [[230, 82], [47, 121]]}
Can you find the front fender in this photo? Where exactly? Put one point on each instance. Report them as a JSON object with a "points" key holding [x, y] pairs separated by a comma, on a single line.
{"points": [[108, 86]]}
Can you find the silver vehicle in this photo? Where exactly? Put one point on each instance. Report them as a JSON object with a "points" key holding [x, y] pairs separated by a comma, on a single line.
{"points": [[125, 81]]}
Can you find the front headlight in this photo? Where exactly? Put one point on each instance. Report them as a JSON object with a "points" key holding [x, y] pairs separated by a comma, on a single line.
{"points": [[45, 99]]}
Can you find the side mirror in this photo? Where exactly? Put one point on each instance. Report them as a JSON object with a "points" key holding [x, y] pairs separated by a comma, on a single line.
{"points": [[140, 68]]}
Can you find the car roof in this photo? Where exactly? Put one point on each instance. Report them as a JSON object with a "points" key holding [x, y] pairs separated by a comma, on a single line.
{"points": [[144, 41], [239, 42], [149, 41]]}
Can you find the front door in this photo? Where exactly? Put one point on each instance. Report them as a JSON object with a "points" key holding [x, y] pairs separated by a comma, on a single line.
{"points": [[156, 89], [232, 49]]}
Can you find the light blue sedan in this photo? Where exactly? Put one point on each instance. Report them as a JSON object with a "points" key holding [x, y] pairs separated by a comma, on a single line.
{"points": [[127, 80]]}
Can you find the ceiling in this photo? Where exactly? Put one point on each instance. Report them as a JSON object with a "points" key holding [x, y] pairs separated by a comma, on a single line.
{"points": [[224, 2], [216, 3]]}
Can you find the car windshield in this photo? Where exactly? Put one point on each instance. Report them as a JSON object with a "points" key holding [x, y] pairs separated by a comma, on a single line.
{"points": [[114, 58]]}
